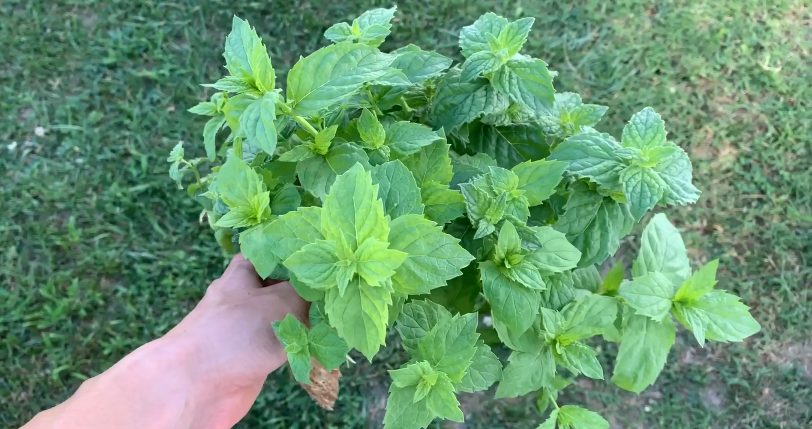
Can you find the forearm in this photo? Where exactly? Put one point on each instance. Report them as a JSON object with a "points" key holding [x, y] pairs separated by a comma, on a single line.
{"points": [[150, 388]]}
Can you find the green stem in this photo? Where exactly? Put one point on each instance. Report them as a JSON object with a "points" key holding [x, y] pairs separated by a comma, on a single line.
{"points": [[554, 403], [194, 170], [306, 125], [372, 103]]}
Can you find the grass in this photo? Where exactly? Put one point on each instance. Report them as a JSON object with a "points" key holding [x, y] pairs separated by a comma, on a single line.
{"points": [[101, 253]]}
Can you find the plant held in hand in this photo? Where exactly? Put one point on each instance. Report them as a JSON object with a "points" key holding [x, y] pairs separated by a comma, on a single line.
{"points": [[398, 191]]}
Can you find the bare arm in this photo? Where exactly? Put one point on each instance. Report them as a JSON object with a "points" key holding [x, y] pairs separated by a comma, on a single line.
{"points": [[204, 374]]}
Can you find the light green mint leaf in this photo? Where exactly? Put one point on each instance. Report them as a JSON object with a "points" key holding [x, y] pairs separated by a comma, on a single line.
{"points": [[700, 283], [694, 319], [298, 153], [550, 422], [564, 102], [594, 156], [442, 205], [525, 274], [587, 317], [643, 188], [430, 163], [256, 245], [594, 224], [321, 143], [513, 36], [240, 45], [581, 359], [662, 250], [480, 63], [374, 35], [360, 315], [317, 315], [555, 253], [317, 174], [233, 111], [587, 278], [257, 121], [508, 145], [528, 341], [649, 295], [646, 129], [434, 257], [614, 277], [450, 347], [467, 167], [305, 291], [527, 372], [397, 189], [241, 217], [473, 38], [508, 244], [527, 81], [316, 264], [483, 209], [292, 231], [412, 374], [293, 335], [234, 84], [406, 138], [352, 209], [457, 102], [676, 172], [263, 72], [238, 184], [643, 351], [326, 346], [370, 129], [538, 179], [728, 319], [176, 154], [331, 74], [419, 65], [485, 370], [210, 133], [575, 417], [511, 302], [376, 262], [286, 199], [559, 292], [415, 322], [205, 108], [403, 413], [379, 16], [442, 402], [586, 115], [460, 293], [339, 32]]}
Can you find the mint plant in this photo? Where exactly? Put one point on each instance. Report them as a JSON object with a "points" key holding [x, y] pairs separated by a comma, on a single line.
{"points": [[467, 207]]}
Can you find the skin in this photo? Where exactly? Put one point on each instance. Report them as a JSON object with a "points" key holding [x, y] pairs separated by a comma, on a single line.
{"points": [[203, 374]]}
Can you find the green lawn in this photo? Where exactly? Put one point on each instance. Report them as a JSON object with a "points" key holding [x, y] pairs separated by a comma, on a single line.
{"points": [[99, 252]]}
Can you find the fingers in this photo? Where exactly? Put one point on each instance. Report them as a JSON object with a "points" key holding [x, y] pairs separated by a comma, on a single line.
{"points": [[240, 275]]}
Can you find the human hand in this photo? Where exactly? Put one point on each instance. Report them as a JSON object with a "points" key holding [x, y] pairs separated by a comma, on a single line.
{"points": [[228, 340]]}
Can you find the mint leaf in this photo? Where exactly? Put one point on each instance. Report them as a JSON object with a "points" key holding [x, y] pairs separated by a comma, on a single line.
{"points": [[442, 402], [233, 111], [575, 417], [473, 37], [594, 224], [662, 250], [694, 319], [240, 44], [297, 153], [419, 65], [370, 129], [646, 129], [256, 245], [449, 347], [527, 81], [485, 370], [614, 277], [555, 253], [411, 374], [594, 156], [317, 174], [550, 422], [480, 63], [210, 133], [262, 69], [430, 164], [285, 200], [317, 315], [376, 263], [321, 143], [331, 74], [538, 179], [526, 372], [676, 172], [238, 184], [403, 413], [406, 138], [513, 36], [442, 205], [466, 167], [587, 278], [511, 302], [587, 317], [339, 32], [643, 188], [643, 351], [415, 322], [581, 359], [204, 108], [699, 284], [352, 209], [433, 256], [457, 102], [292, 231], [360, 315], [293, 336], [326, 346], [315, 264], [649, 295], [559, 291], [727, 318], [509, 145], [397, 189]]}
